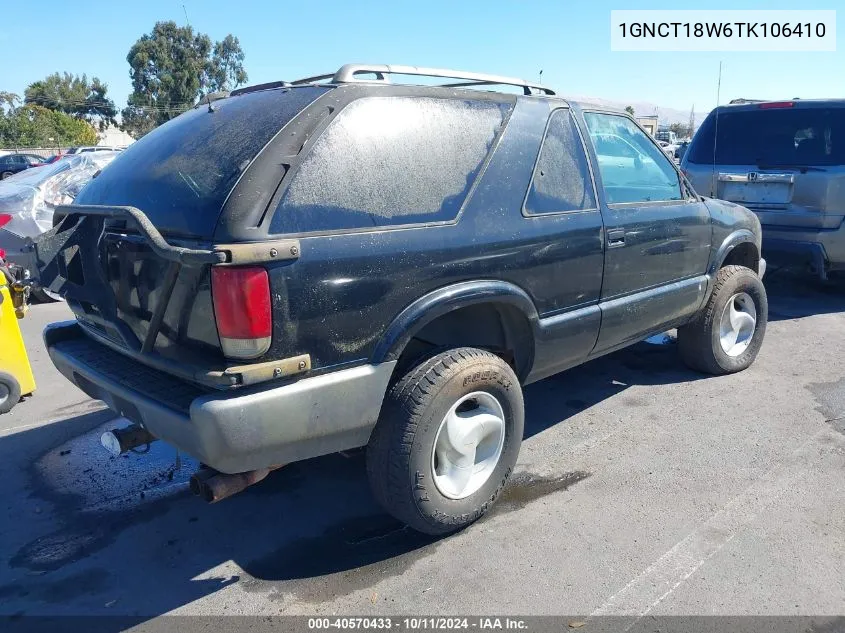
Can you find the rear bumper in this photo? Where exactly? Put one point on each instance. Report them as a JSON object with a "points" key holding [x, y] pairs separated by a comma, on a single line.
{"points": [[232, 431], [823, 250]]}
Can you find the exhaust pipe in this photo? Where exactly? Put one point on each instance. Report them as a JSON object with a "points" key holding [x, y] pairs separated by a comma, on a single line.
{"points": [[213, 486], [118, 441]]}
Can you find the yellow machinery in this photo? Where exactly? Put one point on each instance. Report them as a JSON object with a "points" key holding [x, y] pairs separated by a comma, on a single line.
{"points": [[16, 377]]}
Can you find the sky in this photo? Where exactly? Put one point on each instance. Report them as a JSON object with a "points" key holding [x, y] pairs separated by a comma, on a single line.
{"points": [[568, 39]]}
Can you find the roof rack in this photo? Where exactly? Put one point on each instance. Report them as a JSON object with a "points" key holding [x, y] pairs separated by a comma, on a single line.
{"points": [[349, 73], [742, 100]]}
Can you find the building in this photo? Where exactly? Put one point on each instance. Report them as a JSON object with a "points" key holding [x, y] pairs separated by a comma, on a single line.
{"points": [[648, 123], [113, 136]]}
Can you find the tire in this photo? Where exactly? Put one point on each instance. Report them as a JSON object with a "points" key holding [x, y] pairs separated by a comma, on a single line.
{"points": [[5, 175], [42, 295], [401, 461], [700, 342], [10, 392]]}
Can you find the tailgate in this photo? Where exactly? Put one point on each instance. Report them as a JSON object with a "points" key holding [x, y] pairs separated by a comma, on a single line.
{"points": [[147, 298]]}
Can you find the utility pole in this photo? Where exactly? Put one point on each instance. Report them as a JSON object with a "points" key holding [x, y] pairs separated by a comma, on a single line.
{"points": [[692, 120]]}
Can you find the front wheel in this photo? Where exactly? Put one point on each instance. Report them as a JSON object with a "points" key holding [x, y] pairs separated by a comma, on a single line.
{"points": [[447, 440], [5, 175], [727, 334]]}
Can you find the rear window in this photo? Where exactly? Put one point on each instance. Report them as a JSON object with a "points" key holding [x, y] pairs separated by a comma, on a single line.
{"points": [[772, 137], [181, 173], [386, 161]]}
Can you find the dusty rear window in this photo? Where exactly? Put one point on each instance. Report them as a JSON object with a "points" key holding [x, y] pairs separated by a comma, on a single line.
{"points": [[181, 173], [391, 160]]}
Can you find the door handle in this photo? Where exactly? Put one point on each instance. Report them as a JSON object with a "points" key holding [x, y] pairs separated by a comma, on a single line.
{"points": [[616, 238]]}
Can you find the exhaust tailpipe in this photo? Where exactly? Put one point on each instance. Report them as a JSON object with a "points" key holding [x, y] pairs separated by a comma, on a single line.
{"points": [[213, 486], [118, 441]]}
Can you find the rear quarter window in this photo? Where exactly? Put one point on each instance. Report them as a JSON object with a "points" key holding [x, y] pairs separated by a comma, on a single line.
{"points": [[561, 179], [181, 173], [387, 161]]}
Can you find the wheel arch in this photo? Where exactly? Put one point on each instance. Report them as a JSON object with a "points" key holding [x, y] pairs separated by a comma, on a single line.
{"points": [[491, 300], [740, 247]]}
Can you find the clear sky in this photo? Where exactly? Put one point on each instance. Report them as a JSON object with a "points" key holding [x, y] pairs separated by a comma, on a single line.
{"points": [[568, 39]]}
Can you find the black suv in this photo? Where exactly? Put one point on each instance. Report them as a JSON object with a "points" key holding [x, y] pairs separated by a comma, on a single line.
{"points": [[301, 268]]}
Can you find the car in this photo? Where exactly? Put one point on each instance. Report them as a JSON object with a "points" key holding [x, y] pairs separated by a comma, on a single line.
{"points": [[681, 149], [309, 267], [784, 160], [11, 164], [91, 148], [28, 201]]}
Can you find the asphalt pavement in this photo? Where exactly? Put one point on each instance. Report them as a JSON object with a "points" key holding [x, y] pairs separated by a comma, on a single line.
{"points": [[642, 489]]}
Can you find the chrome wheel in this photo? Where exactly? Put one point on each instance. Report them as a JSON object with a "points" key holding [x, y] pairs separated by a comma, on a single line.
{"points": [[468, 445], [5, 394], [739, 320]]}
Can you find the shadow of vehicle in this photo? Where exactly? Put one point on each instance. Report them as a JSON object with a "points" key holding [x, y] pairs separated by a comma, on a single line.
{"points": [[308, 533], [795, 294]]}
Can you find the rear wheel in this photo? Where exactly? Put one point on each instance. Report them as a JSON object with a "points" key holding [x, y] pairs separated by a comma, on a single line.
{"points": [[447, 440], [5, 175], [42, 295], [727, 334], [10, 392]]}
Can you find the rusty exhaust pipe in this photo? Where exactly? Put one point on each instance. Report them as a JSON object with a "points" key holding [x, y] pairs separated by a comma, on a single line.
{"points": [[198, 480], [118, 441], [213, 486]]}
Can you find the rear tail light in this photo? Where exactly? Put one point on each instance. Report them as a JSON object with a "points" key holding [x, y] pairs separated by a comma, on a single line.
{"points": [[5, 218], [243, 310], [776, 104], [2, 254]]}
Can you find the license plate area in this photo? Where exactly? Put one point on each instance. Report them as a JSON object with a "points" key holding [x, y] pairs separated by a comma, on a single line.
{"points": [[759, 190]]}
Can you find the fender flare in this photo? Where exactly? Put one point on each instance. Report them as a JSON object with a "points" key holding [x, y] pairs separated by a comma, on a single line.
{"points": [[444, 300], [740, 236]]}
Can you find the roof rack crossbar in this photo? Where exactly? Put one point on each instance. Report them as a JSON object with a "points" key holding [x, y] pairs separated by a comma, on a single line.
{"points": [[349, 74]]}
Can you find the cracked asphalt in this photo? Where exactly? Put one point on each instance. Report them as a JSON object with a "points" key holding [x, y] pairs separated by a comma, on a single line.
{"points": [[642, 488]]}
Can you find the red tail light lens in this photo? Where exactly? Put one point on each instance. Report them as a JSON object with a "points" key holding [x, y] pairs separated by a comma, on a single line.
{"points": [[243, 310], [5, 218], [2, 254], [776, 104]]}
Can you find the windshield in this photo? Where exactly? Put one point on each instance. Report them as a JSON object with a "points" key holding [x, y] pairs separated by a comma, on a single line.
{"points": [[773, 137]]}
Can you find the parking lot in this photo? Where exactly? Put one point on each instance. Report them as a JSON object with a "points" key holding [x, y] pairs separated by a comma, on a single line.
{"points": [[642, 488]]}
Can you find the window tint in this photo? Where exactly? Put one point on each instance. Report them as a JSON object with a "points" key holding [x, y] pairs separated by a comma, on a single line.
{"points": [[561, 178], [181, 173], [632, 167], [774, 136], [388, 161]]}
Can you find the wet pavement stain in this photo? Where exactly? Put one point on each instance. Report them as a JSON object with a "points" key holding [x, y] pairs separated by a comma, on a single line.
{"points": [[525, 487], [830, 397], [89, 582], [81, 538], [361, 552]]}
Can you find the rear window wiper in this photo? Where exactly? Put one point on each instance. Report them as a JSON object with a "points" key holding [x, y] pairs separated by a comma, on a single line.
{"points": [[802, 168]]}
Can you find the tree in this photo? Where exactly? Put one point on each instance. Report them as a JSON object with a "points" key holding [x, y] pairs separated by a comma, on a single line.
{"points": [[170, 67], [629, 110], [8, 99], [33, 126], [74, 95], [226, 69], [681, 129]]}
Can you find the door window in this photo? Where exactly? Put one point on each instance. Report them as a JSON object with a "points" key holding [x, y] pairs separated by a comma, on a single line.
{"points": [[633, 169]]}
